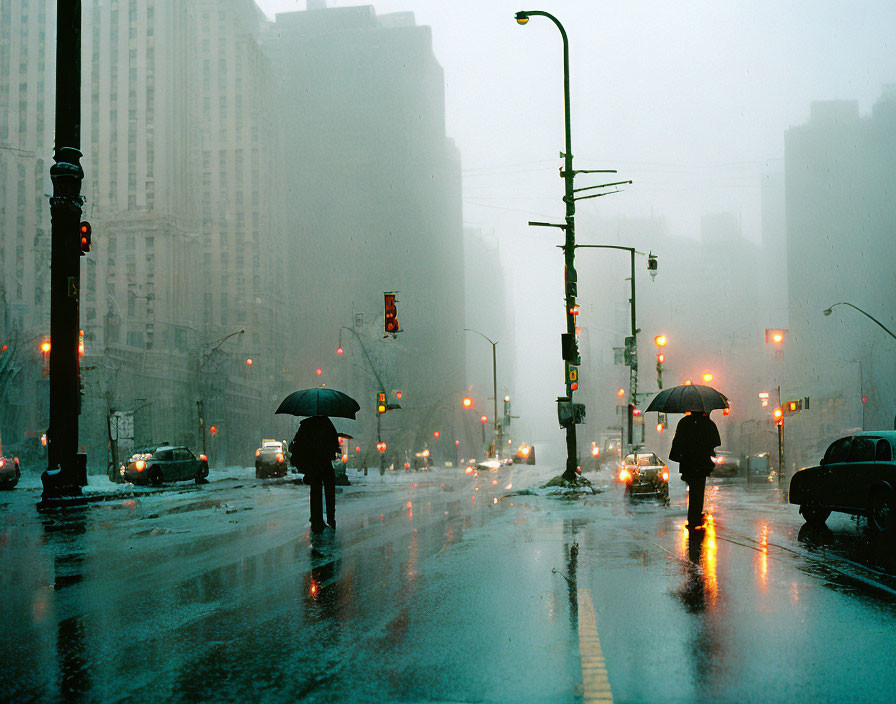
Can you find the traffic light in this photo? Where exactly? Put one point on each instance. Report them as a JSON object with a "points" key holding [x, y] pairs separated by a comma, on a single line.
{"points": [[652, 265], [213, 429], [778, 414], [84, 231], [483, 419], [467, 402], [390, 318], [381, 402], [775, 336], [436, 433], [570, 348]]}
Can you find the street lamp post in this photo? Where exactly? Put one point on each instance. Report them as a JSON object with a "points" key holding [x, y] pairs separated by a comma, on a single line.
{"points": [[827, 311], [633, 348], [499, 434], [568, 175]]}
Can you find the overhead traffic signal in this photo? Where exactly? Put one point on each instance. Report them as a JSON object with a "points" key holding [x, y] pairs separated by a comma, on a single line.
{"points": [[85, 232], [390, 317]]}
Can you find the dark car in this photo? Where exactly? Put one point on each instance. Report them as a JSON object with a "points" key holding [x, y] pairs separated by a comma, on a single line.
{"points": [[645, 475], [857, 475], [727, 464], [9, 472], [156, 464], [271, 459]]}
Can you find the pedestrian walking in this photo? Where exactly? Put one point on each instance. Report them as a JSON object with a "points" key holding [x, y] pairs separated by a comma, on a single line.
{"points": [[313, 449], [693, 446]]}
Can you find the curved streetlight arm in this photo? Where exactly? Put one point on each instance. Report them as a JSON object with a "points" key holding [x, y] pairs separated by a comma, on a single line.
{"points": [[827, 311], [524, 15], [492, 342], [367, 356]]}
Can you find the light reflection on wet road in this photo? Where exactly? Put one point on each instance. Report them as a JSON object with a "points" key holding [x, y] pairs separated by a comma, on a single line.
{"points": [[438, 586]]}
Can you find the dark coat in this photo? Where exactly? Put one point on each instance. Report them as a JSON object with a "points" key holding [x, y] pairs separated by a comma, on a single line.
{"points": [[693, 446], [315, 445]]}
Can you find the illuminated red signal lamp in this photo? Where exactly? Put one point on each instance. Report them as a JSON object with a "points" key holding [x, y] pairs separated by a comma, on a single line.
{"points": [[248, 361], [339, 350], [483, 419], [467, 402], [318, 371], [436, 433]]}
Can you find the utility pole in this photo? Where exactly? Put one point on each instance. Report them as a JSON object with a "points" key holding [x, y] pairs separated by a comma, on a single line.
{"points": [[65, 475], [633, 359], [780, 442]]}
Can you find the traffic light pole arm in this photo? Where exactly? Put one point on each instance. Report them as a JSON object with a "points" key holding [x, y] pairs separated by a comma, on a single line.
{"points": [[217, 345], [367, 356], [867, 315]]}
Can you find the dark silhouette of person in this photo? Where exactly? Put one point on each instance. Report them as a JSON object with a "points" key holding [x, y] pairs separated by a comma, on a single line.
{"points": [[313, 450], [696, 438]]}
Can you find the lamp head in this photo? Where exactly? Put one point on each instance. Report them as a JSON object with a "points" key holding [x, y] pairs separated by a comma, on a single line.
{"points": [[826, 311], [521, 17]]}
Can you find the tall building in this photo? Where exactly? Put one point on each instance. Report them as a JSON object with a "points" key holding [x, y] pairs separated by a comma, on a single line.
{"points": [[373, 193], [840, 212]]}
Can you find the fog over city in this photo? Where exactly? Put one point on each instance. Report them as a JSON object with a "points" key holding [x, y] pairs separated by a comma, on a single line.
{"points": [[590, 354], [404, 147]]}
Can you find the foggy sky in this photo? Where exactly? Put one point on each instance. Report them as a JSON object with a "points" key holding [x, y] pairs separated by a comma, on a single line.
{"points": [[690, 101]]}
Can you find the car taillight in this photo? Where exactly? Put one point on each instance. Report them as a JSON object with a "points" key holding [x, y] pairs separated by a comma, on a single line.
{"points": [[625, 476], [279, 456], [257, 453], [203, 458], [2, 462], [140, 465]]}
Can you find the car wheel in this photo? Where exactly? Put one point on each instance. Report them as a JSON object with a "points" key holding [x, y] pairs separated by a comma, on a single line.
{"points": [[155, 476], [880, 509], [815, 515]]}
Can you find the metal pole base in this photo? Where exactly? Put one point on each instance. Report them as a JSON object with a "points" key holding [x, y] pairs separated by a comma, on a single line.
{"points": [[59, 491]]}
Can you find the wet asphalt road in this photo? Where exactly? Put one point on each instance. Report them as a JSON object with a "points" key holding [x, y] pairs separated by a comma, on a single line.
{"points": [[440, 586]]}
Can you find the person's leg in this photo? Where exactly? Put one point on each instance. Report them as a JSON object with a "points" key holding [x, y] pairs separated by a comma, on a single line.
{"points": [[696, 489], [330, 494], [317, 509]]}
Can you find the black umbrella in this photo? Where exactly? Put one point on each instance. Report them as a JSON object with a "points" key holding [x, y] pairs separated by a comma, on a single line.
{"points": [[319, 401], [688, 397]]}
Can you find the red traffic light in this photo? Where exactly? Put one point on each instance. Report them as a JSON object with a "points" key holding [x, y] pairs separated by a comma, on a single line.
{"points": [[390, 317], [483, 419], [436, 433], [339, 350], [84, 232], [249, 362], [213, 429], [318, 371], [636, 411]]}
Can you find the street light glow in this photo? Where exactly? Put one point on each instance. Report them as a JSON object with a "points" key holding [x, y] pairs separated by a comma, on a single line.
{"points": [[660, 340], [45, 346], [707, 377], [467, 402]]}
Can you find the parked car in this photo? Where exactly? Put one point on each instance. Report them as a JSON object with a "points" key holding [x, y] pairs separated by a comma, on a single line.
{"points": [[857, 475], [271, 459], [645, 475], [9, 472], [727, 464], [156, 464]]}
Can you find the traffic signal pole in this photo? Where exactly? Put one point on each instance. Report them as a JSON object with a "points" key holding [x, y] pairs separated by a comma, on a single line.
{"points": [[64, 476]]}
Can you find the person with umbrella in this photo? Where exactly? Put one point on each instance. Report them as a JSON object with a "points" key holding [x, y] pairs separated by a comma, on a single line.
{"points": [[316, 443], [696, 438], [313, 450]]}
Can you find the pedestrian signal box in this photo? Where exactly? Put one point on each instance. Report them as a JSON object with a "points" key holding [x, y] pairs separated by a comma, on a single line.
{"points": [[390, 317], [572, 377], [381, 402]]}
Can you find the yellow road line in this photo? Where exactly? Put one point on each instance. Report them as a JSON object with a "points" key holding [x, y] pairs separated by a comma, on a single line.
{"points": [[595, 682]]}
